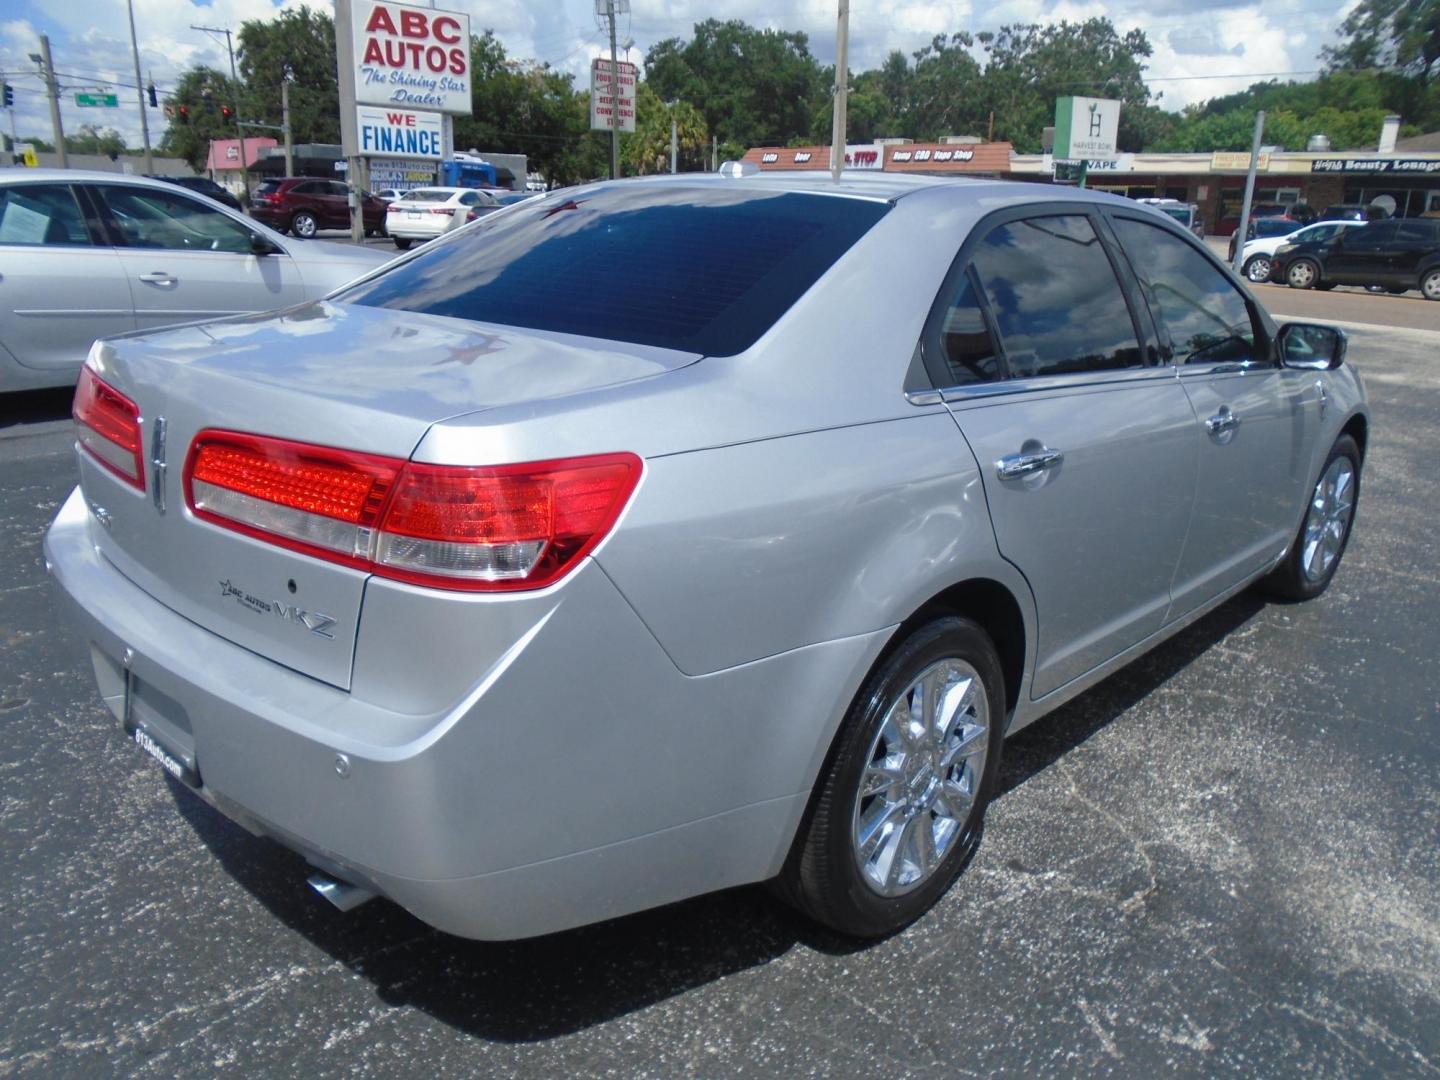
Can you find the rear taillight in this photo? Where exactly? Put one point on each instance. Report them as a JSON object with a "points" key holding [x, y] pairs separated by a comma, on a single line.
{"points": [[107, 425], [497, 528], [447, 211]]}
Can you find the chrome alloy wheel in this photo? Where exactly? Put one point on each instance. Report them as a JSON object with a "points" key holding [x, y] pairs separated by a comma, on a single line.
{"points": [[1430, 285], [925, 766], [1328, 519], [1302, 274], [1258, 269]]}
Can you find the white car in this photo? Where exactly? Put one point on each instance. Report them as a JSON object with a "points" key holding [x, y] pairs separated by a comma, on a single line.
{"points": [[389, 195], [1258, 252], [425, 213], [87, 255]]}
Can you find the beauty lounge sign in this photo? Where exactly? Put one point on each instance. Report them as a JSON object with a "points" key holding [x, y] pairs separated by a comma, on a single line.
{"points": [[411, 57]]}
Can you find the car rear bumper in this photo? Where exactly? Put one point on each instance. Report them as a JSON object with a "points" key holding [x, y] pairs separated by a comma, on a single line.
{"points": [[425, 228], [581, 778]]}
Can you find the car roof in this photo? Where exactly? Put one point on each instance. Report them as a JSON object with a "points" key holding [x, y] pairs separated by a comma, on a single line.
{"points": [[79, 176]]}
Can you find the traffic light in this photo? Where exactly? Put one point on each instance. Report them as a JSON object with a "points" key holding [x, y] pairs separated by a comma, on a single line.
{"points": [[226, 112], [9, 95], [154, 98], [183, 114]]}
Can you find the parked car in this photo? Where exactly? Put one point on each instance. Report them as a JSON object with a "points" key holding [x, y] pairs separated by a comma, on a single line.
{"points": [[1347, 212], [85, 255], [425, 213], [203, 185], [1263, 228], [304, 205], [1187, 214], [527, 603], [510, 198], [389, 195], [1255, 265], [1297, 211], [1397, 255]]}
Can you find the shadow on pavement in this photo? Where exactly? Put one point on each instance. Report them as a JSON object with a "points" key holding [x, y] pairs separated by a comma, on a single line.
{"points": [[542, 988]]}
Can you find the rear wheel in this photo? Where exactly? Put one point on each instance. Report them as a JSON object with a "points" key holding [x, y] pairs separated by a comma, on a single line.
{"points": [[304, 225], [1302, 274], [1316, 551], [1430, 284], [1257, 269], [402, 243], [898, 810]]}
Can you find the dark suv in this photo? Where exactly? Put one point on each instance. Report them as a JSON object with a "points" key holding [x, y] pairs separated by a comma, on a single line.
{"points": [[1396, 255], [304, 205], [203, 185]]}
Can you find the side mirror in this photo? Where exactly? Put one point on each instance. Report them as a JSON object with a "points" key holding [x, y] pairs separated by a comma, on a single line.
{"points": [[260, 245], [1311, 347]]}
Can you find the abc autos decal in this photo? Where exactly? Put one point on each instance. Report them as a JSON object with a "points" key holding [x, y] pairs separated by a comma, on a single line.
{"points": [[411, 57]]}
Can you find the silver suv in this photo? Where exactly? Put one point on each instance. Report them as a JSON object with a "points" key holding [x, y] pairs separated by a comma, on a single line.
{"points": [[650, 538]]}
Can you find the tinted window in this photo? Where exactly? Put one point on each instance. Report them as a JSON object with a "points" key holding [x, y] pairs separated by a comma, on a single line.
{"points": [[1318, 232], [1381, 232], [1269, 228], [36, 214], [965, 343], [268, 187], [1204, 316], [334, 187], [1055, 299], [309, 187], [1423, 231], [704, 270], [158, 219]]}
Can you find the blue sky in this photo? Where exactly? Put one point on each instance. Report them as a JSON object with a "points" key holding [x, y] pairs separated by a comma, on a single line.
{"points": [[1199, 52]]}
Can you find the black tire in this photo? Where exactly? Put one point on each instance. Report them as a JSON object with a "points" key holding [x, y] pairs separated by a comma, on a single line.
{"points": [[822, 877], [1396, 291], [1256, 265], [1302, 274], [1288, 581], [1430, 284], [304, 225], [402, 243], [1324, 286]]}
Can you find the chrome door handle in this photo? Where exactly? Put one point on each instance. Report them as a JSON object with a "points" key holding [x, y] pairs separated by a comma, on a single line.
{"points": [[1029, 463], [1222, 422], [158, 277]]}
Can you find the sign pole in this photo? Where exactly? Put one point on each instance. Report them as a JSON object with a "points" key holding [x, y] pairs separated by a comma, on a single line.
{"points": [[842, 79], [140, 90], [1244, 225], [52, 90], [349, 129], [614, 96]]}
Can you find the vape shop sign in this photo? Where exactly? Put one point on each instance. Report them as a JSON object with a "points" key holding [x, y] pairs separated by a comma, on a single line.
{"points": [[1086, 128]]}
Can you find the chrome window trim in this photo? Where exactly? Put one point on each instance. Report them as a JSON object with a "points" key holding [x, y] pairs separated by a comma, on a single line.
{"points": [[1007, 387], [1245, 367]]}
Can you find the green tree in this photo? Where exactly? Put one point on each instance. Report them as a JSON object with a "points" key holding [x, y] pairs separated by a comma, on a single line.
{"points": [[753, 87], [91, 139], [298, 44], [648, 149], [1399, 35]]}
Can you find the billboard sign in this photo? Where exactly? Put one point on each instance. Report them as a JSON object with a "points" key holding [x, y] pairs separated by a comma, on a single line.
{"points": [[1086, 129], [411, 57], [398, 133], [603, 96]]}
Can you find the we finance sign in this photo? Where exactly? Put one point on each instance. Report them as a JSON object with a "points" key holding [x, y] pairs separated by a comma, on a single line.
{"points": [[415, 57], [394, 133]]}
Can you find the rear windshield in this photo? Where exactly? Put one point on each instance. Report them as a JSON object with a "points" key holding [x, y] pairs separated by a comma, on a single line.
{"points": [[1179, 213], [703, 270], [427, 196], [268, 187], [1270, 227]]}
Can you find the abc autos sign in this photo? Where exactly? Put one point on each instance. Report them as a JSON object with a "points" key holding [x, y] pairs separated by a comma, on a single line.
{"points": [[411, 57]]}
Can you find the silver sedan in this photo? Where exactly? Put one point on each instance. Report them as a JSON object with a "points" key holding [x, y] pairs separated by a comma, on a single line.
{"points": [[85, 255], [658, 537]]}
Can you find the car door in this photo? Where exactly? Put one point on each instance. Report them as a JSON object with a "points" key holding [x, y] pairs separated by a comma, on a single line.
{"points": [[334, 199], [61, 285], [186, 260], [1087, 452], [1254, 421], [1362, 256], [1415, 240]]}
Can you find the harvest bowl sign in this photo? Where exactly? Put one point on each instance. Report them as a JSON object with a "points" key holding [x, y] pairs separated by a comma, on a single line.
{"points": [[411, 57]]}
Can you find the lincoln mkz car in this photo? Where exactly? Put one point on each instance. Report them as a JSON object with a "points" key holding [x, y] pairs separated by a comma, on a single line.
{"points": [[660, 536]]}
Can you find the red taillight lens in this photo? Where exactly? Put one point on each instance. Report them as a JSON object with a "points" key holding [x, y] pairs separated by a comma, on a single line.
{"points": [[500, 528], [446, 210], [107, 425]]}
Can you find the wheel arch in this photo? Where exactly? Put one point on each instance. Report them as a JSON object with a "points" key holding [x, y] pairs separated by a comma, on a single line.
{"points": [[996, 610]]}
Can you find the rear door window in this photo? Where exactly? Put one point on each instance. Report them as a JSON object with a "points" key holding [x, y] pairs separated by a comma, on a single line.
{"points": [[1055, 299], [699, 269], [46, 215], [966, 344], [1203, 317]]}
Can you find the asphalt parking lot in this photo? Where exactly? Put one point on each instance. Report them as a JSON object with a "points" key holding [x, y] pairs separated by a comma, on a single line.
{"points": [[1222, 861]]}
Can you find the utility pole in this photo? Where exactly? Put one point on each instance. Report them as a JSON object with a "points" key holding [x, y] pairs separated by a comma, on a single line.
{"points": [[235, 102], [714, 153], [842, 79], [674, 139], [140, 90], [614, 96], [285, 124], [52, 91], [1244, 225]]}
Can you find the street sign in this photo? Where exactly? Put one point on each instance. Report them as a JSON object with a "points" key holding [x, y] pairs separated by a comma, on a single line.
{"points": [[1086, 128], [408, 57], [602, 96], [398, 133], [28, 155], [97, 101]]}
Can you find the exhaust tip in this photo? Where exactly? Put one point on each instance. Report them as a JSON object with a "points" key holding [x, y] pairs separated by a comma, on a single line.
{"points": [[342, 894]]}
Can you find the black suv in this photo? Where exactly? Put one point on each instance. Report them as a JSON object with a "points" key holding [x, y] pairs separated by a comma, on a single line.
{"points": [[1396, 255], [203, 185]]}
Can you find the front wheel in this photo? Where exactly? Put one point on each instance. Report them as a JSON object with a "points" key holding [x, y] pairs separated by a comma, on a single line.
{"points": [[304, 225], [1257, 269], [1315, 553], [1430, 284], [898, 810], [1303, 274]]}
